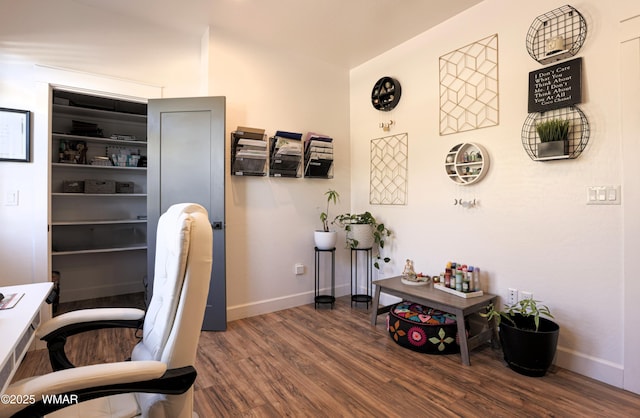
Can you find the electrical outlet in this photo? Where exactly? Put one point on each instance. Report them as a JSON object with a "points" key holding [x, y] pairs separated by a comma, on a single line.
{"points": [[11, 198], [512, 296], [526, 295]]}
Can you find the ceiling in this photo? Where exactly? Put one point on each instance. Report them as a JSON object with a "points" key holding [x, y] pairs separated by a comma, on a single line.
{"points": [[345, 33]]}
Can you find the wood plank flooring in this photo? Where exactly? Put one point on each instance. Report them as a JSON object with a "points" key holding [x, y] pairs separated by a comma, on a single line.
{"points": [[303, 362]]}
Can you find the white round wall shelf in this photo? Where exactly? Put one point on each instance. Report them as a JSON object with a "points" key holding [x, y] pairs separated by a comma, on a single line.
{"points": [[467, 163]]}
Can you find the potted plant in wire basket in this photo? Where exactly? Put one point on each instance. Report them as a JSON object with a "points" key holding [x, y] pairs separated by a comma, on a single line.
{"points": [[528, 339], [324, 238], [554, 138], [364, 231]]}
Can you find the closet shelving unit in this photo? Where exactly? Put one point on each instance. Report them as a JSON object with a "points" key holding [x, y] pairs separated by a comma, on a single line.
{"points": [[98, 226]]}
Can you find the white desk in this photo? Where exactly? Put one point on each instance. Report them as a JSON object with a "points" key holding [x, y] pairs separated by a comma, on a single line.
{"points": [[18, 325]]}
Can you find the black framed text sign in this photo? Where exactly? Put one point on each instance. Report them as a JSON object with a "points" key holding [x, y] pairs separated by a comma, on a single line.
{"points": [[15, 135], [556, 86]]}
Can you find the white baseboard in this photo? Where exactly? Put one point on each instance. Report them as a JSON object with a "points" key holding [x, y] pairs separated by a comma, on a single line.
{"points": [[595, 368], [277, 304], [291, 301]]}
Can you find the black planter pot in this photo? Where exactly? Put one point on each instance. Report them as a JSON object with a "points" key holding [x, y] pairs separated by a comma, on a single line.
{"points": [[526, 351]]}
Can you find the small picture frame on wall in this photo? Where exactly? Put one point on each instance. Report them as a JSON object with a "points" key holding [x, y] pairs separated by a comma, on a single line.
{"points": [[15, 135]]}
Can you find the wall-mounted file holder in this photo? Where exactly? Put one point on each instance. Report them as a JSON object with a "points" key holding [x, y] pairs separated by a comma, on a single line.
{"points": [[248, 152], [285, 154], [318, 156]]}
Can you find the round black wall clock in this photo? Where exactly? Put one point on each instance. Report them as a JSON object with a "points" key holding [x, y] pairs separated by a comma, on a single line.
{"points": [[386, 94]]}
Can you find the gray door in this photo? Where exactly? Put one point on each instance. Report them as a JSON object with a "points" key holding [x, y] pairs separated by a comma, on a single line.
{"points": [[186, 149]]}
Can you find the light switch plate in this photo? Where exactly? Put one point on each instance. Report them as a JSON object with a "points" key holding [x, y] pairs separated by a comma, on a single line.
{"points": [[603, 195], [12, 198]]}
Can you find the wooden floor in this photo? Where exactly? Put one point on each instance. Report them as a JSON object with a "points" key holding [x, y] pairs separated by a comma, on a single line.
{"points": [[303, 362]]}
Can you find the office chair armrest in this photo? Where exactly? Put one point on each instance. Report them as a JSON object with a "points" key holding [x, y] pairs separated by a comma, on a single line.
{"points": [[91, 382], [87, 319], [56, 330]]}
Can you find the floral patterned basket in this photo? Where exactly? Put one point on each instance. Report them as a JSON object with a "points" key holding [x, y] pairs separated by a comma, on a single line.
{"points": [[423, 329]]}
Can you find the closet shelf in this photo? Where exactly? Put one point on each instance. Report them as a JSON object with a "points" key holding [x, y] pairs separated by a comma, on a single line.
{"points": [[134, 247], [84, 195], [101, 113], [98, 140], [96, 167], [99, 222]]}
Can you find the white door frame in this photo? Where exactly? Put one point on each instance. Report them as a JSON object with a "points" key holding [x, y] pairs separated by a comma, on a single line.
{"points": [[630, 140], [45, 79]]}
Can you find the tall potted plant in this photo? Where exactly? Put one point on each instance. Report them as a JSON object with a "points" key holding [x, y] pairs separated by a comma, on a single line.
{"points": [[554, 138], [324, 238], [364, 231], [528, 340]]}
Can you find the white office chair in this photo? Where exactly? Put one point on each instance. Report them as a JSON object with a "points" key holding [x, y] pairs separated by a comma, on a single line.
{"points": [[158, 381]]}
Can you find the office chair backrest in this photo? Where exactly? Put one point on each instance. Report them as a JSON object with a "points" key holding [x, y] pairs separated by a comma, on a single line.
{"points": [[172, 325]]}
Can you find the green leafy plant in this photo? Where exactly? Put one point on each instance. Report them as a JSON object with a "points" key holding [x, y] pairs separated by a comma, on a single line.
{"points": [[526, 308], [332, 196], [379, 230], [553, 130]]}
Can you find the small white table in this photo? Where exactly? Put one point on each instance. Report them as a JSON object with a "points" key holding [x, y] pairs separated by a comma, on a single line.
{"points": [[18, 325]]}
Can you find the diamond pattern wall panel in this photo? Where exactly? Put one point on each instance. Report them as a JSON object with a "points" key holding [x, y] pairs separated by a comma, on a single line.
{"points": [[389, 160], [469, 87]]}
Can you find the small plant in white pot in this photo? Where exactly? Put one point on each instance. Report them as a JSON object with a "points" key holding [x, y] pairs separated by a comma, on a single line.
{"points": [[363, 231], [324, 238]]}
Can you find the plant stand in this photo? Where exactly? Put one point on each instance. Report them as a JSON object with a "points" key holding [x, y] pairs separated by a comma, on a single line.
{"points": [[361, 297], [318, 299]]}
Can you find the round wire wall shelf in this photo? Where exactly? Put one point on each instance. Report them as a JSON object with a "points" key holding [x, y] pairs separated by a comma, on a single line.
{"points": [[556, 35], [576, 141]]}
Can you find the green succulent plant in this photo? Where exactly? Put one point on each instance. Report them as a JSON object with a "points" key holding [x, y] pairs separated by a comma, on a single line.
{"points": [[553, 130]]}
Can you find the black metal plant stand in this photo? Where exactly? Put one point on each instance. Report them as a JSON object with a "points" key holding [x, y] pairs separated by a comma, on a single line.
{"points": [[325, 298], [361, 297]]}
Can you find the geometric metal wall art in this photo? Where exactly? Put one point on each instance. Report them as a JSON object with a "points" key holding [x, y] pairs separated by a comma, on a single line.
{"points": [[469, 87], [389, 161]]}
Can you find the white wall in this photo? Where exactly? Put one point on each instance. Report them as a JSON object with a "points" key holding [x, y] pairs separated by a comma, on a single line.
{"points": [[270, 221], [532, 229]]}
